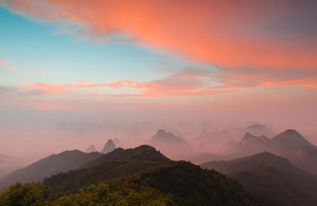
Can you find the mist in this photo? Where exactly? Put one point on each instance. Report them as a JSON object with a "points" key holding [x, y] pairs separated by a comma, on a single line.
{"points": [[30, 134]]}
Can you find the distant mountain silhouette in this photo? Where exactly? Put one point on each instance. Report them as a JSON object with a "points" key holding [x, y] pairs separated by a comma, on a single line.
{"points": [[271, 177], [145, 167], [171, 145], [109, 147], [290, 140], [254, 142], [249, 138], [283, 144], [48, 166], [163, 137], [91, 148], [260, 130], [297, 149], [251, 144]]}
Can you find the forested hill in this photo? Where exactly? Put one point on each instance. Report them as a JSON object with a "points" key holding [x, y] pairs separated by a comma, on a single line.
{"points": [[140, 176]]}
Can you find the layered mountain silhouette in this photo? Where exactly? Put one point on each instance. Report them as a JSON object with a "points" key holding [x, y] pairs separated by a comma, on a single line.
{"points": [[166, 138], [91, 148], [109, 147], [251, 144], [53, 164], [283, 143], [171, 145], [145, 167], [289, 144], [271, 177], [250, 139], [142, 172], [48, 166]]}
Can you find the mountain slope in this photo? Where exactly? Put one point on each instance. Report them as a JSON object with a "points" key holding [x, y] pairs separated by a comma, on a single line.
{"points": [[272, 177], [189, 184], [48, 166], [145, 167], [177, 184], [306, 159], [118, 163]]}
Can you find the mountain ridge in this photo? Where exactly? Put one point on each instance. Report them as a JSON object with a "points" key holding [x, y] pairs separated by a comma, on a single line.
{"points": [[269, 175], [48, 166]]}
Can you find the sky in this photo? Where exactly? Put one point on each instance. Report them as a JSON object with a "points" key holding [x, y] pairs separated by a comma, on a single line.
{"points": [[76, 72]]}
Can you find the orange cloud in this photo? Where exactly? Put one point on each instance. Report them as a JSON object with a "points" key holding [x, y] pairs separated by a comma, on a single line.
{"points": [[230, 34], [3, 63], [310, 83]]}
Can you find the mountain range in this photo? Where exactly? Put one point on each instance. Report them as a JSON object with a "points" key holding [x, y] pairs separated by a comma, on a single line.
{"points": [[272, 177], [266, 179], [142, 170], [289, 144]]}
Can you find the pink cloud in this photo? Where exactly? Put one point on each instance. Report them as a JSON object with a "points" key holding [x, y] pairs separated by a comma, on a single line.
{"points": [[60, 88], [269, 78], [188, 83], [263, 34]]}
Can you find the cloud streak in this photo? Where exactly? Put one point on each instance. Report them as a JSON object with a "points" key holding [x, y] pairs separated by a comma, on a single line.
{"points": [[189, 82], [60, 88]]}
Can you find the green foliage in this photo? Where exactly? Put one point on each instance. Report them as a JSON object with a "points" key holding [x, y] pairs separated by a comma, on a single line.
{"points": [[189, 185], [29, 194], [95, 195]]}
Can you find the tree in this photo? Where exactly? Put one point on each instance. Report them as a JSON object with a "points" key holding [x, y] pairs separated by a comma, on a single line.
{"points": [[29, 194]]}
